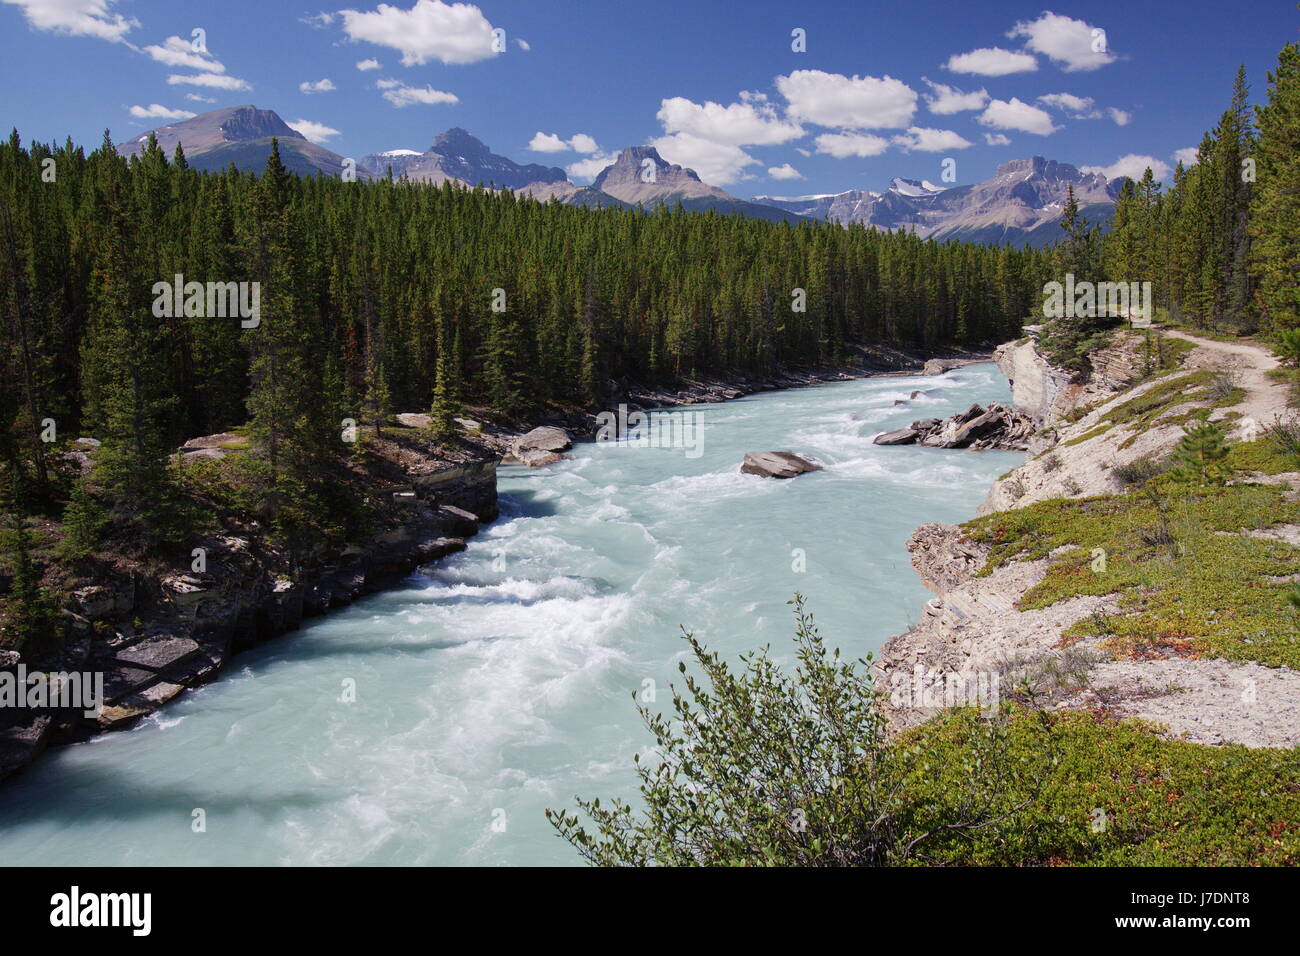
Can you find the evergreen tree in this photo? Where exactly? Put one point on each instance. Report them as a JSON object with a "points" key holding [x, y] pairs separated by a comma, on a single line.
{"points": [[1201, 454], [1275, 202]]}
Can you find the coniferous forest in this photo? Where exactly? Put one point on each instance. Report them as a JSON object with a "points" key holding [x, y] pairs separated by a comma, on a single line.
{"points": [[1219, 244], [392, 296], [378, 297]]}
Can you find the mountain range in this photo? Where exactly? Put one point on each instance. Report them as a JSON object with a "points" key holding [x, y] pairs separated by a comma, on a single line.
{"points": [[1020, 204]]}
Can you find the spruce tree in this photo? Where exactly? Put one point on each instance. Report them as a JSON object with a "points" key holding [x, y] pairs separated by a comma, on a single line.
{"points": [[1275, 202], [1201, 453]]}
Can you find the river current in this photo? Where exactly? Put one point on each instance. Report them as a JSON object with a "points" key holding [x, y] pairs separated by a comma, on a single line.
{"points": [[499, 681]]}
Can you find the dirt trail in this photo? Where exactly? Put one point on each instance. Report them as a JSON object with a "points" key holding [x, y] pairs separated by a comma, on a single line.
{"points": [[1266, 399]]}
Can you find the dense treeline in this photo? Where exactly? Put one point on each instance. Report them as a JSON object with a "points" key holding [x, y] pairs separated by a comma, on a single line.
{"points": [[1221, 245], [386, 296]]}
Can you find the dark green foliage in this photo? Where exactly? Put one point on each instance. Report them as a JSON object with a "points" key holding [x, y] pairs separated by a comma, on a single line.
{"points": [[1275, 209], [1288, 342], [364, 280], [1200, 454], [29, 615], [1220, 246]]}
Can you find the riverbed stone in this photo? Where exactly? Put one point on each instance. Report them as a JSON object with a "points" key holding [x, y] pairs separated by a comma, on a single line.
{"points": [[903, 436], [777, 464]]}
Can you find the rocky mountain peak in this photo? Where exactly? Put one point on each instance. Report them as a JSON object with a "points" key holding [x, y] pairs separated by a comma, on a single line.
{"points": [[628, 168], [233, 124], [242, 123], [459, 142]]}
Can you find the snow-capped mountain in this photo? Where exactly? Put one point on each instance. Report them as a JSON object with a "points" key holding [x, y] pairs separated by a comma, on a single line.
{"points": [[456, 154], [1022, 203]]}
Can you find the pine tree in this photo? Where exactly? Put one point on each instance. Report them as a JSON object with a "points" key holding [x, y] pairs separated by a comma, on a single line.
{"points": [[446, 384], [127, 398], [1275, 205], [1201, 454]]}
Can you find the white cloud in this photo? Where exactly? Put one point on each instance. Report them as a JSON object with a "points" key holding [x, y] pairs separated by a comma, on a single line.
{"points": [[316, 132], [716, 163], [430, 30], [930, 140], [784, 171], [1078, 107], [1132, 166], [216, 81], [1187, 155], [948, 99], [1121, 117], [523, 44], [319, 86], [399, 94], [842, 145], [992, 61], [1067, 42], [199, 99], [157, 111], [590, 167], [552, 143], [750, 123], [1018, 115], [318, 20], [369, 64], [997, 139], [832, 99], [547, 143], [82, 18], [175, 51]]}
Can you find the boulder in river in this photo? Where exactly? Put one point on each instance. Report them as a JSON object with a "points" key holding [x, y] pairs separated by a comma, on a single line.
{"points": [[998, 426], [939, 366], [904, 436], [776, 464], [541, 446]]}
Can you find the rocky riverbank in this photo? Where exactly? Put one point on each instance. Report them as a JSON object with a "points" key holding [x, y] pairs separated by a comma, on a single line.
{"points": [[1098, 438], [864, 362], [151, 632]]}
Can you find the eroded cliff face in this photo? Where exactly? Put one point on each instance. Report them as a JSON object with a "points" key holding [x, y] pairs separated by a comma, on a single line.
{"points": [[1048, 393], [975, 637], [1037, 388]]}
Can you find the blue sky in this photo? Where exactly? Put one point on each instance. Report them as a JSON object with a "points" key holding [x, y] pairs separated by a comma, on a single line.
{"points": [[881, 89]]}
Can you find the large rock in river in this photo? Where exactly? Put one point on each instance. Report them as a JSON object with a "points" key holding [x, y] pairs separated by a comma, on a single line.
{"points": [[776, 464], [904, 436], [541, 446]]}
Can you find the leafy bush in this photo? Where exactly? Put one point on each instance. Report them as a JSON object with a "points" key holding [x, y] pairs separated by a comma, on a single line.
{"points": [[762, 768], [765, 768]]}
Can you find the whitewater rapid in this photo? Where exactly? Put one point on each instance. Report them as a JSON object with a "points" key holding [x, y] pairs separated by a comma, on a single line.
{"points": [[500, 681]]}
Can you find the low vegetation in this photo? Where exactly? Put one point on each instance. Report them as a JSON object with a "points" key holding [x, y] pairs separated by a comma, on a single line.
{"points": [[762, 767]]}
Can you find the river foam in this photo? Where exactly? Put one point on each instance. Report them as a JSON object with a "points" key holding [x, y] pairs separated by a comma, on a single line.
{"points": [[500, 681]]}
